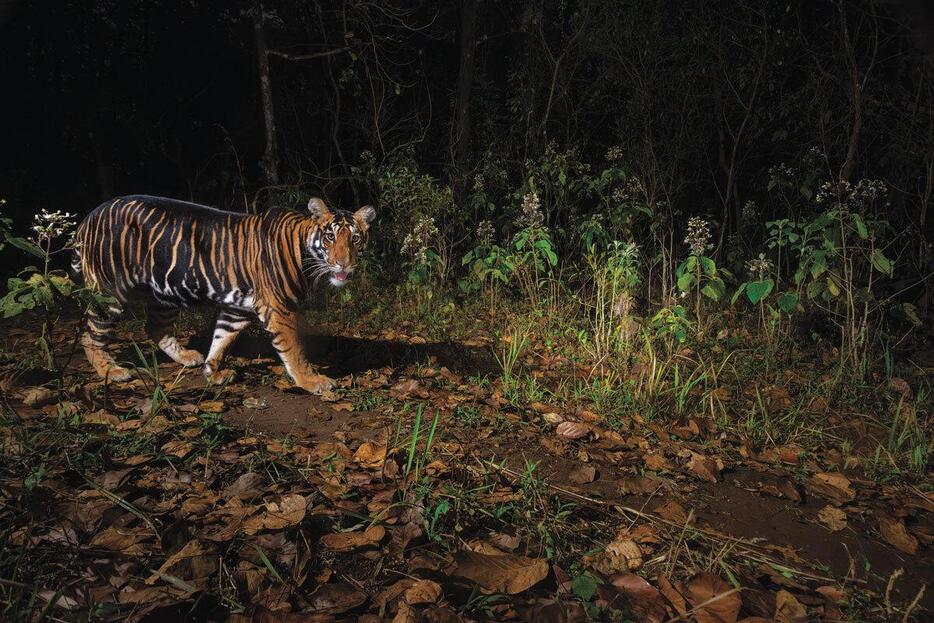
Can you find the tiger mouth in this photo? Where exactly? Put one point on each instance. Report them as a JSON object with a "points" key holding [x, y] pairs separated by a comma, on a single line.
{"points": [[338, 278]]}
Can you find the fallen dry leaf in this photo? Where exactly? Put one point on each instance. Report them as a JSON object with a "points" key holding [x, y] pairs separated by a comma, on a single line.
{"points": [[211, 406], [178, 448], [833, 518], [621, 555], [572, 430], [835, 487], [657, 462], [582, 474], [288, 511], [347, 541], [335, 598], [894, 532], [672, 511], [673, 595], [713, 600], [100, 418], [38, 397], [124, 540], [195, 560], [703, 467], [638, 485], [788, 609], [423, 592], [644, 600], [370, 456], [506, 573]]}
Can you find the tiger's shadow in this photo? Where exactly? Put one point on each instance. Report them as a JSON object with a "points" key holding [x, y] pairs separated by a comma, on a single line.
{"points": [[338, 355]]}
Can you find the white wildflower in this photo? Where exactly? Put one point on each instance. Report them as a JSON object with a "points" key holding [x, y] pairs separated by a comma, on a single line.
{"points": [[698, 236], [760, 267]]}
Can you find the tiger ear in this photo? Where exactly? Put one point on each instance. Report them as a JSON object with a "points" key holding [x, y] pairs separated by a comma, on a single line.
{"points": [[317, 207], [365, 215]]}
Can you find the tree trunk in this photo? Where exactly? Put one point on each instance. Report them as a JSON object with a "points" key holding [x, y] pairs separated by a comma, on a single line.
{"points": [[464, 84], [270, 162]]}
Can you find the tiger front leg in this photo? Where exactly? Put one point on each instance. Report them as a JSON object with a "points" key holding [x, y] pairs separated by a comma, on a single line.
{"points": [[287, 343], [229, 325], [99, 334]]}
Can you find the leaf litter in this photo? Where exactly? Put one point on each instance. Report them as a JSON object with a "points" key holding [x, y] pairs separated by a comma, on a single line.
{"points": [[537, 514]]}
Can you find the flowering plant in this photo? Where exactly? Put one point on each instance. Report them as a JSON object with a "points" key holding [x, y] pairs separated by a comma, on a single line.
{"points": [[46, 289]]}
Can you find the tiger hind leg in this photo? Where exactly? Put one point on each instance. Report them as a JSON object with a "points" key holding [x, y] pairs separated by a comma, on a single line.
{"points": [[228, 326], [99, 334], [159, 324]]}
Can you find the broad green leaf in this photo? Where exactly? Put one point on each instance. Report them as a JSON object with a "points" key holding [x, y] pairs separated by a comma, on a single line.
{"points": [[787, 301], [832, 287], [708, 266], [861, 227], [584, 587], [881, 263], [27, 246], [815, 288], [739, 291], [758, 290], [685, 282], [715, 289]]}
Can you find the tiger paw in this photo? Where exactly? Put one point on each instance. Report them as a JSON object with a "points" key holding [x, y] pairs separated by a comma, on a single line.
{"points": [[219, 377], [190, 358], [117, 374], [317, 384]]}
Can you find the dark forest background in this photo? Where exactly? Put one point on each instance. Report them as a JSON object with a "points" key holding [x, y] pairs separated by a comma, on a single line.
{"points": [[455, 109]]}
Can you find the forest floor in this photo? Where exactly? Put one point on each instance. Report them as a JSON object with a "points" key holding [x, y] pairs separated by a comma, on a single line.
{"points": [[427, 487]]}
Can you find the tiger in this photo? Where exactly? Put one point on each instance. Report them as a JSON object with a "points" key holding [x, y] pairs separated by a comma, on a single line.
{"points": [[175, 254]]}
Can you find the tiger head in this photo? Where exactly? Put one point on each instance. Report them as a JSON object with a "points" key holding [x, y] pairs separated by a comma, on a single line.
{"points": [[336, 240]]}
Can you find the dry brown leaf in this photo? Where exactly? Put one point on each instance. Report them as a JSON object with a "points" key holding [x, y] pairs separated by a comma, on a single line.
{"points": [[211, 406], [621, 555], [100, 417], [833, 518], [405, 614], [712, 600], [645, 601], [195, 560], [638, 485], [674, 597], [370, 456], [506, 573], [582, 474], [403, 390], [572, 430], [178, 448], [124, 540], [894, 532], [347, 541], [900, 386], [247, 486], [835, 487], [423, 592], [657, 462], [788, 609], [38, 397], [504, 542], [672, 511], [335, 598], [288, 511], [704, 467]]}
